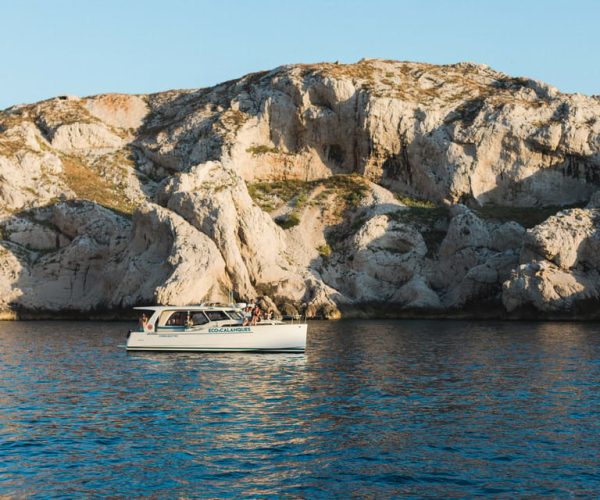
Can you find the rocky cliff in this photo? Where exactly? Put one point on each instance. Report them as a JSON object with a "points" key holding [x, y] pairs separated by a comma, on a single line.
{"points": [[377, 188]]}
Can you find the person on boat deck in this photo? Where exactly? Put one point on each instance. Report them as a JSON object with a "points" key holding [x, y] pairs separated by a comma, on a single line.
{"points": [[269, 315], [143, 321], [188, 320], [247, 315], [256, 314]]}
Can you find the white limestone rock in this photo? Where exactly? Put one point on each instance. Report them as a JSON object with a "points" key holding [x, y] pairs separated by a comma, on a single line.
{"points": [[164, 261], [12, 271], [85, 138], [482, 281], [168, 261], [77, 276], [547, 288], [507, 236], [466, 230], [451, 133], [560, 264], [215, 200], [465, 246], [32, 235], [382, 256], [416, 294], [118, 110], [488, 139], [28, 173], [560, 238]]}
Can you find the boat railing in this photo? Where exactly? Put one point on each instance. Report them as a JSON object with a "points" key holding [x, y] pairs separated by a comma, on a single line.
{"points": [[231, 305], [298, 318]]}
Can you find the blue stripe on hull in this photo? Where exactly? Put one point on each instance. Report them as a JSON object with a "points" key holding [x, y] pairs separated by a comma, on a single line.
{"points": [[216, 349]]}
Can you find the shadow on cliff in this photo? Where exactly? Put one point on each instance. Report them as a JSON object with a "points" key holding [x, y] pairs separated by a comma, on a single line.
{"points": [[169, 109], [347, 269], [571, 181], [29, 257], [349, 152], [568, 281], [218, 110], [585, 304], [215, 115]]}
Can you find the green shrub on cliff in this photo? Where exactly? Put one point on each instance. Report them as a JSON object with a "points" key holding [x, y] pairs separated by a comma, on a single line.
{"points": [[288, 221]]}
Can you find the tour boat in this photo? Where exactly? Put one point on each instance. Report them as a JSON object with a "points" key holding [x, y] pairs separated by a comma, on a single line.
{"points": [[213, 328]]}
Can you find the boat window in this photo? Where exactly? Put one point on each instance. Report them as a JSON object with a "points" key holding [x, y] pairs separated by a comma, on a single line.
{"points": [[235, 315], [178, 318], [216, 315], [198, 318]]}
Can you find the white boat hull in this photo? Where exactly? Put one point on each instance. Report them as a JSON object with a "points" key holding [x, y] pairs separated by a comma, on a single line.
{"points": [[260, 338]]}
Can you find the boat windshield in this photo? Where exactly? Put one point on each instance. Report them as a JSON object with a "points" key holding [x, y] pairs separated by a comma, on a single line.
{"points": [[216, 315], [193, 318], [235, 315]]}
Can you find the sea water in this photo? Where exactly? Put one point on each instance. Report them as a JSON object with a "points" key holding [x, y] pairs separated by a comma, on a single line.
{"points": [[374, 408]]}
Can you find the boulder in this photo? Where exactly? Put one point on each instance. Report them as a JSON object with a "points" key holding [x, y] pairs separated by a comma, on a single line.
{"points": [[560, 238], [416, 294], [549, 288], [482, 281], [507, 236], [382, 256]]}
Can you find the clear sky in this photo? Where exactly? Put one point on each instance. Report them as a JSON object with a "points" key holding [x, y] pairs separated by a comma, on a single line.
{"points": [[84, 47]]}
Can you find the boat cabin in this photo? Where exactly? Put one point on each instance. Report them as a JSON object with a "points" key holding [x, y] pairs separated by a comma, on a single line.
{"points": [[173, 319]]}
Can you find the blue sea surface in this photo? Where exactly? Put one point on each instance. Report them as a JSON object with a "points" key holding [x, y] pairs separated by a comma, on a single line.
{"points": [[435, 409]]}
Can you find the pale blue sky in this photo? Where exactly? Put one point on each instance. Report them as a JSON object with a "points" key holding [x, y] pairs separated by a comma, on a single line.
{"points": [[84, 47]]}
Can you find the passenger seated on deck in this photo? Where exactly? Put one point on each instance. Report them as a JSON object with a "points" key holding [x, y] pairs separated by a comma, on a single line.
{"points": [[142, 322], [269, 315], [256, 314], [247, 315]]}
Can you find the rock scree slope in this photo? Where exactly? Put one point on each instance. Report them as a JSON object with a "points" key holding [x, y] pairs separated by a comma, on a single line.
{"points": [[381, 188]]}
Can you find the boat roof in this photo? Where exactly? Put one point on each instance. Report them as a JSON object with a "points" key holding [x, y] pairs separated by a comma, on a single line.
{"points": [[200, 307]]}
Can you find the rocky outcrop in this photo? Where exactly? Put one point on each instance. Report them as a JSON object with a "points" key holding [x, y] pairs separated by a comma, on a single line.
{"points": [[82, 257], [379, 259], [541, 286], [560, 266], [215, 200], [441, 132], [325, 189]]}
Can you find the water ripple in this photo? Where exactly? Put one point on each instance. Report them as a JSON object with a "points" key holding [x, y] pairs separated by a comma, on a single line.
{"points": [[376, 409]]}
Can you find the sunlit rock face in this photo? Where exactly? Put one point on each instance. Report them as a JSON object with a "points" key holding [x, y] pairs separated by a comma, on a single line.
{"points": [[560, 265], [377, 188]]}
